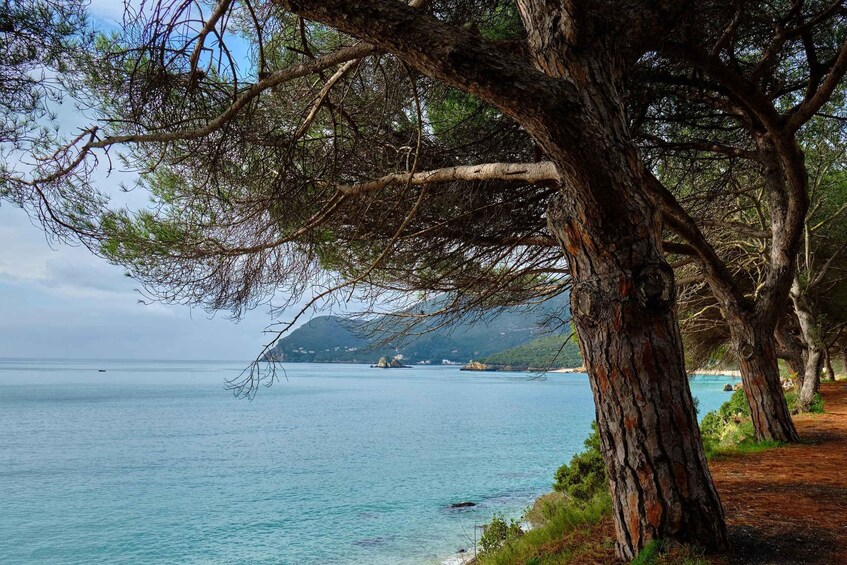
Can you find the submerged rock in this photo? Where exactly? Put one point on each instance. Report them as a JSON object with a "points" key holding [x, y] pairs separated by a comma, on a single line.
{"points": [[465, 504]]}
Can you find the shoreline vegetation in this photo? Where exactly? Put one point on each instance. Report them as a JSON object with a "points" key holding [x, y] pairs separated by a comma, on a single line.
{"points": [[666, 179], [572, 523]]}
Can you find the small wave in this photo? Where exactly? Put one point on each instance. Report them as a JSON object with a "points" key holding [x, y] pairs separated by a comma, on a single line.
{"points": [[458, 559]]}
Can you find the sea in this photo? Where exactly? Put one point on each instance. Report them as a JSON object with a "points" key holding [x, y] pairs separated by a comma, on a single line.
{"points": [[155, 462]]}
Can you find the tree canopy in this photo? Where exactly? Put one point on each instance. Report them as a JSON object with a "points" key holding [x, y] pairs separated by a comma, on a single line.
{"points": [[492, 152]]}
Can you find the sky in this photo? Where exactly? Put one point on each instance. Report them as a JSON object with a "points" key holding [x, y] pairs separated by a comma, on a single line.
{"points": [[63, 302], [59, 301]]}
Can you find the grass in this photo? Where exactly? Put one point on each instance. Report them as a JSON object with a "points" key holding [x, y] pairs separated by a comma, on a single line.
{"points": [[566, 534], [582, 533], [817, 406], [744, 447], [573, 524], [659, 553]]}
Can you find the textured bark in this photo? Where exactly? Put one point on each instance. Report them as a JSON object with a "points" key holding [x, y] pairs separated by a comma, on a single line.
{"points": [[752, 323], [811, 380], [622, 305], [622, 301], [814, 345], [752, 326], [571, 103], [754, 346], [622, 308], [790, 349]]}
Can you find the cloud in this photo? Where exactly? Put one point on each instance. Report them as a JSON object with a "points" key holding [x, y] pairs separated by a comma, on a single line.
{"points": [[110, 11], [65, 302]]}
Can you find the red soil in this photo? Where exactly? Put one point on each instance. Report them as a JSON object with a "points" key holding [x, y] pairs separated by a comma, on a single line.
{"points": [[789, 505], [783, 506]]}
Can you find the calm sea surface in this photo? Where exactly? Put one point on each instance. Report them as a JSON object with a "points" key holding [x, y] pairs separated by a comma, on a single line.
{"points": [[153, 462]]}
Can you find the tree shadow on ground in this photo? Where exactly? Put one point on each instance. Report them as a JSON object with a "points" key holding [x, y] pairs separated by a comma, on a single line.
{"points": [[753, 545]]}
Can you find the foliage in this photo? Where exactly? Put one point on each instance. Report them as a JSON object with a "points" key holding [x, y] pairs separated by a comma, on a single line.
{"points": [[39, 41], [792, 397], [43, 45], [499, 532], [544, 508], [728, 430], [658, 553], [585, 476], [542, 544], [729, 426]]}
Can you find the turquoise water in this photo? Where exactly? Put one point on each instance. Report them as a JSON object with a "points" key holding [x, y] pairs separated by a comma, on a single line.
{"points": [[155, 462]]}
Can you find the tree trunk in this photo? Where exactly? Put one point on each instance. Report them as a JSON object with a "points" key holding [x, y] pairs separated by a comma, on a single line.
{"points": [[752, 324], [811, 381], [790, 350], [754, 346], [827, 364], [814, 345], [623, 298], [622, 304]]}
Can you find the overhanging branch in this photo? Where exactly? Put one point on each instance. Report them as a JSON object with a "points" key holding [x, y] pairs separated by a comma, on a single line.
{"points": [[524, 172]]}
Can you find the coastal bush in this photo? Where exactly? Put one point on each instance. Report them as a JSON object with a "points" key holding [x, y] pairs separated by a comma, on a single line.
{"points": [[499, 532], [729, 429], [792, 398], [544, 544], [544, 508], [566, 523], [585, 476]]}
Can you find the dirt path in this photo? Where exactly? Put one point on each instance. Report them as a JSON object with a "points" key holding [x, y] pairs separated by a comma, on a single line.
{"points": [[789, 505]]}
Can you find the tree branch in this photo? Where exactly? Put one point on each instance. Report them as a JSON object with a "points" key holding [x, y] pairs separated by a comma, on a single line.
{"points": [[284, 75], [807, 109], [525, 172], [458, 57], [217, 14]]}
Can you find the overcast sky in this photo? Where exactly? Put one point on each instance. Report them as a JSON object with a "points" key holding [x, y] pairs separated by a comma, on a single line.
{"points": [[62, 302]]}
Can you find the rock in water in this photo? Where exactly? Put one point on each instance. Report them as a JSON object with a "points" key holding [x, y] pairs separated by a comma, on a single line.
{"points": [[466, 504], [477, 366], [395, 363], [727, 387]]}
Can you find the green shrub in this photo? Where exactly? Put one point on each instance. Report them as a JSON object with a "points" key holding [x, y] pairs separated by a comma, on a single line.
{"points": [[497, 532], [545, 507], [728, 426], [728, 429], [585, 475], [541, 544], [793, 397]]}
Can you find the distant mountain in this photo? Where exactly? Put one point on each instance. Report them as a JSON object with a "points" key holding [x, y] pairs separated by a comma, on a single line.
{"points": [[334, 339]]}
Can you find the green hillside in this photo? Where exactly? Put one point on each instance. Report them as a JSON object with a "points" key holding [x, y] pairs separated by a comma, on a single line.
{"points": [[547, 351], [333, 339]]}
